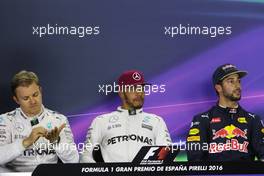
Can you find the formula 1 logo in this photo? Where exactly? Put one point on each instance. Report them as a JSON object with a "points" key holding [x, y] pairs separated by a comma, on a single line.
{"points": [[151, 152], [149, 155], [230, 132], [156, 155], [163, 152]]}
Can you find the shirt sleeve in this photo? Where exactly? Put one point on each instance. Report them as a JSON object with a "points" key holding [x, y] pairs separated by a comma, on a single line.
{"points": [[9, 150], [258, 137], [66, 148], [162, 135], [197, 136], [93, 139]]}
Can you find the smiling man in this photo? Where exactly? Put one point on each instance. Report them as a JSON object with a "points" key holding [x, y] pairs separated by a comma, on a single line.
{"points": [[230, 132], [122, 133], [27, 128]]}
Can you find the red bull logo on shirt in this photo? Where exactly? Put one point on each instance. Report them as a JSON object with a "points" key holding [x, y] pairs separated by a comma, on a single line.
{"points": [[232, 144], [229, 132]]}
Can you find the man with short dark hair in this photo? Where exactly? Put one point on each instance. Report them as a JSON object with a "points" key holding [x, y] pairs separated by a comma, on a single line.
{"points": [[230, 132], [122, 133], [28, 132]]}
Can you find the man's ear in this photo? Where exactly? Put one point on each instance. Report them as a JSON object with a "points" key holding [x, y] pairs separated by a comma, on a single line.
{"points": [[218, 88], [40, 89], [122, 97], [15, 99]]}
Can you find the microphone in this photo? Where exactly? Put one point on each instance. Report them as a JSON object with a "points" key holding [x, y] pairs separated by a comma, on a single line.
{"points": [[34, 122]]}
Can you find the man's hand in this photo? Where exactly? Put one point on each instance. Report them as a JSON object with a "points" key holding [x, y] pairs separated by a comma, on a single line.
{"points": [[54, 134], [34, 135]]}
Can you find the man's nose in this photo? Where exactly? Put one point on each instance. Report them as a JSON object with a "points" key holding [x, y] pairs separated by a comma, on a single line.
{"points": [[238, 84], [32, 100]]}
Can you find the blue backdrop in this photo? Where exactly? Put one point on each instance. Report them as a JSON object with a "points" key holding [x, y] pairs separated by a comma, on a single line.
{"points": [[132, 36]]}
